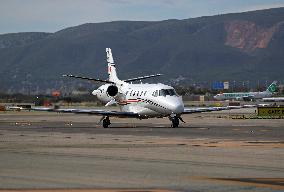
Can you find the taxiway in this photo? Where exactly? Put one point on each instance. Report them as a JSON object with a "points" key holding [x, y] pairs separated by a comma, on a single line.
{"points": [[211, 152]]}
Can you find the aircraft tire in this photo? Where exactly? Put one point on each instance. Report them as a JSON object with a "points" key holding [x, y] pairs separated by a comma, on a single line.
{"points": [[175, 122], [106, 122]]}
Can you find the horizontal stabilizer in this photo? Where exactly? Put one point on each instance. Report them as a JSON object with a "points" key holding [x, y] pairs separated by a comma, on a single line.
{"points": [[140, 78], [87, 78]]}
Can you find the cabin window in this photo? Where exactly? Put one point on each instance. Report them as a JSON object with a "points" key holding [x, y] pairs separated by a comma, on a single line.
{"points": [[155, 93]]}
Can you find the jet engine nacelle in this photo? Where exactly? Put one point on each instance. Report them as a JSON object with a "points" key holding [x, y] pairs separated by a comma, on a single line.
{"points": [[106, 93]]}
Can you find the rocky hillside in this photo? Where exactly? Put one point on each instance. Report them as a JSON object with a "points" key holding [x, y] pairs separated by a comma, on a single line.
{"points": [[234, 47]]}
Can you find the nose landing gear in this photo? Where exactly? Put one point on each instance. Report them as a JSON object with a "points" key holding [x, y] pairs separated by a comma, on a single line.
{"points": [[175, 122]]}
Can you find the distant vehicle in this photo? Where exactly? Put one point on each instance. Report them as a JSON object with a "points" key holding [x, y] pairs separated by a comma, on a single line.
{"points": [[13, 108], [248, 96], [263, 105], [274, 99], [140, 101]]}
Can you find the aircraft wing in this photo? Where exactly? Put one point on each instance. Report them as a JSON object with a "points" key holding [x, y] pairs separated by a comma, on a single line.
{"points": [[128, 114], [207, 109], [89, 112]]}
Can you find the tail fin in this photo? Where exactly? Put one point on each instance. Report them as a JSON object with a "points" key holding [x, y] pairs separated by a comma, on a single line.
{"points": [[272, 87], [111, 66]]}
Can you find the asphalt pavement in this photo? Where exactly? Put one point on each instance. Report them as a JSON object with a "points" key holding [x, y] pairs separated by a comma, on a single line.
{"points": [[210, 152]]}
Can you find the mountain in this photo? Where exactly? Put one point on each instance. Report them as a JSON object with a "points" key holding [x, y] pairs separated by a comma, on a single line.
{"points": [[236, 47]]}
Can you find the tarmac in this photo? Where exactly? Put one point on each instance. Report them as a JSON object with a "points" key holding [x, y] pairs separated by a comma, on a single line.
{"points": [[42, 151]]}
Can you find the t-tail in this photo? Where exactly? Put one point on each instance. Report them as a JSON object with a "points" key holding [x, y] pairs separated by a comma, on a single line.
{"points": [[111, 67], [272, 88], [112, 76]]}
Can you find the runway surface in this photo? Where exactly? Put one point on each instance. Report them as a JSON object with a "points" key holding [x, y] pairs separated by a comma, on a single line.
{"points": [[211, 152]]}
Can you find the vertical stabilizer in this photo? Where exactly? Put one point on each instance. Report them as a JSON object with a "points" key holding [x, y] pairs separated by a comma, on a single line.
{"points": [[111, 66], [272, 87]]}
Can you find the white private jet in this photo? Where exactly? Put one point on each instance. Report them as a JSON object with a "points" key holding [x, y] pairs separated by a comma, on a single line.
{"points": [[140, 101]]}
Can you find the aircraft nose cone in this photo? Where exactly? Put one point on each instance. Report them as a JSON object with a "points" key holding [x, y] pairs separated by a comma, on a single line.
{"points": [[217, 97], [177, 108], [95, 92]]}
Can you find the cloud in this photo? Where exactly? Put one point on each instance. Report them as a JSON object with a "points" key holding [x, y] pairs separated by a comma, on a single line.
{"points": [[34, 15], [53, 15]]}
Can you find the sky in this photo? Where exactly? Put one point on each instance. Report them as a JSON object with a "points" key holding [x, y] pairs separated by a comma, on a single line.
{"points": [[54, 15]]}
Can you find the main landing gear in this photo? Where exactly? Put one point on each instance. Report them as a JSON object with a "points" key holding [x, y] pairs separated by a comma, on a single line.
{"points": [[106, 122]]}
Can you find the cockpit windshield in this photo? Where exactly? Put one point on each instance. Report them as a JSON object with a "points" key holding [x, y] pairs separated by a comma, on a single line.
{"points": [[165, 92]]}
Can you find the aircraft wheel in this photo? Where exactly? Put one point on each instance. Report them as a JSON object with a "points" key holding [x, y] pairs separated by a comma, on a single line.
{"points": [[106, 122], [175, 122]]}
